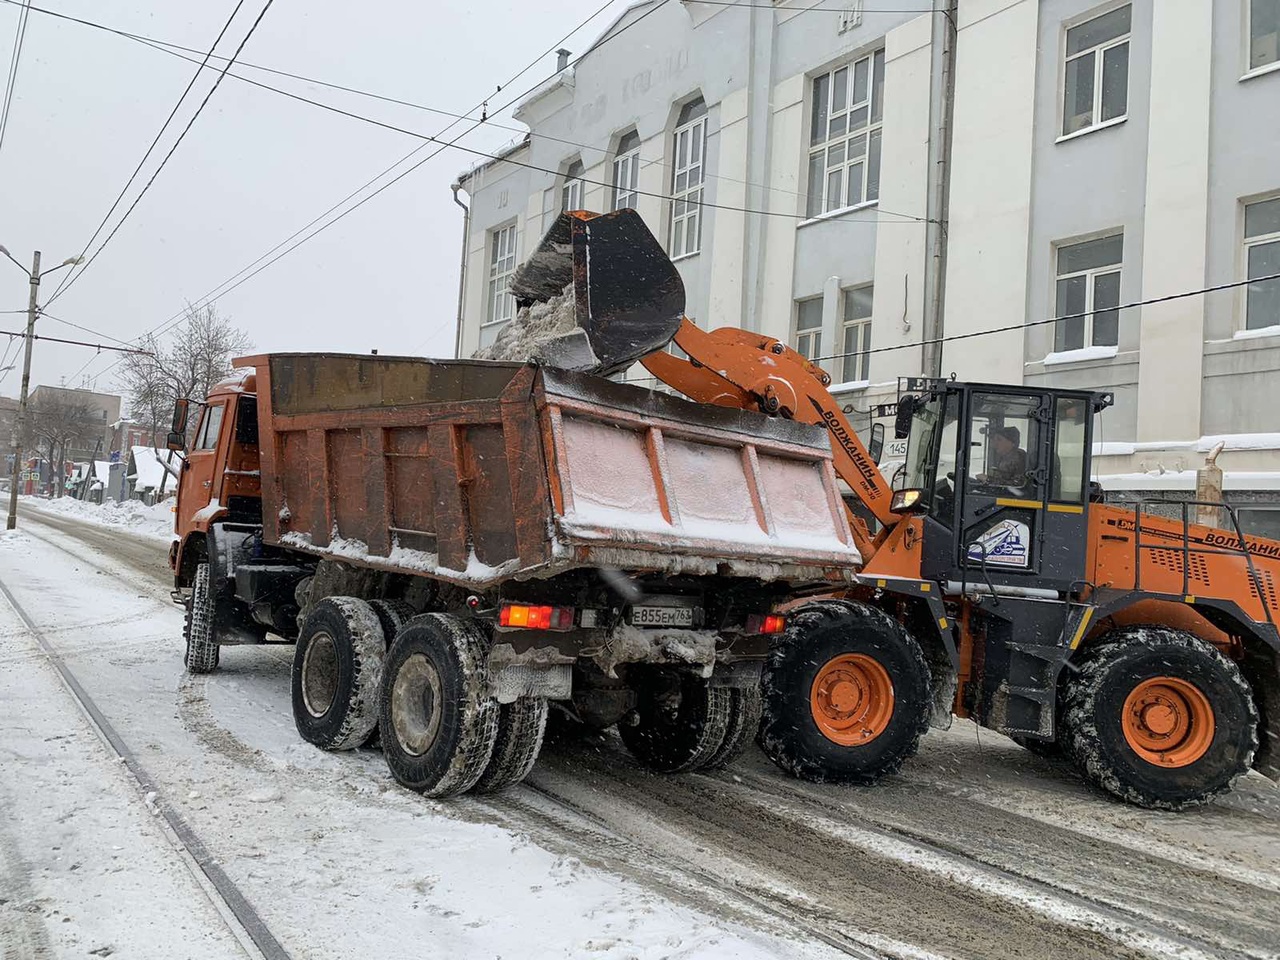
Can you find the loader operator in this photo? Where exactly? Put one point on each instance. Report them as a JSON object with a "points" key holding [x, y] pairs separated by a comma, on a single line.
{"points": [[1008, 464]]}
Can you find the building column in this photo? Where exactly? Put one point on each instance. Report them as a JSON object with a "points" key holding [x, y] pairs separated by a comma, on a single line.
{"points": [[1175, 223]]}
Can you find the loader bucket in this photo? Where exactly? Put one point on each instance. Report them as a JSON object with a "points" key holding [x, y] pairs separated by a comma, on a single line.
{"points": [[629, 296]]}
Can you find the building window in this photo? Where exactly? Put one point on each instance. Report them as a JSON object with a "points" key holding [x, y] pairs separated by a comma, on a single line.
{"points": [[626, 172], [1262, 259], [855, 337], [809, 328], [502, 264], [1264, 33], [844, 135], [1089, 284], [689, 151], [1096, 88], [571, 192], [1262, 520]]}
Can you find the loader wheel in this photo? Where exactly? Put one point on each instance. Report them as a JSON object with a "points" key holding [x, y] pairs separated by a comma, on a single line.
{"points": [[680, 722], [846, 694], [438, 723], [202, 645], [1160, 718], [521, 726], [337, 668], [744, 721]]}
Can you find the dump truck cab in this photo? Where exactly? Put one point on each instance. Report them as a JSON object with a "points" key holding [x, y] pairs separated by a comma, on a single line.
{"points": [[220, 480]]}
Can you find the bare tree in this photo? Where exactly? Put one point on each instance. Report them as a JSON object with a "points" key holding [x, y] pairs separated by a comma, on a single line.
{"points": [[56, 426], [198, 356]]}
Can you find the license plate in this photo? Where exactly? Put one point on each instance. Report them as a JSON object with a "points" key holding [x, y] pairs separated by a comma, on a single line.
{"points": [[652, 616]]}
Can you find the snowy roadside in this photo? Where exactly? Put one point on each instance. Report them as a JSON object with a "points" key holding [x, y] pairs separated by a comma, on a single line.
{"points": [[335, 857], [155, 522], [84, 865]]}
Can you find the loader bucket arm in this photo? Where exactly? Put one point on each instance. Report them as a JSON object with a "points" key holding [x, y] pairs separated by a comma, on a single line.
{"points": [[629, 298], [738, 368]]}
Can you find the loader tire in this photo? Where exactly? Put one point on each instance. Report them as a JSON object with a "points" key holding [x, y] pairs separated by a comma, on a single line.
{"points": [[1160, 718], [744, 720], [439, 722], [680, 722], [846, 694], [202, 645], [521, 727], [337, 671]]}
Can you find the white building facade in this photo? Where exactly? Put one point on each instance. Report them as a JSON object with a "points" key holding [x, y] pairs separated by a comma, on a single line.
{"points": [[856, 180]]}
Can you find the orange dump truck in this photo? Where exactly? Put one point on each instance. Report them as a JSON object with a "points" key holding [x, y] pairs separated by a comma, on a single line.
{"points": [[453, 544]]}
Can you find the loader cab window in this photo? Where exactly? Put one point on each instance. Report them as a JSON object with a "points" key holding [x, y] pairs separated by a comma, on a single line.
{"points": [[1068, 482], [931, 455], [207, 437], [1004, 437]]}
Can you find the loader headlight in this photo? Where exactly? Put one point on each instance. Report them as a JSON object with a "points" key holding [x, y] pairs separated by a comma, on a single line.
{"points": [[906, 501]]}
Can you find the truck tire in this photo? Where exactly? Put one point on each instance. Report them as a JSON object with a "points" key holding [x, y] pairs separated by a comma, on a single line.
{"points": [[202, 645], [1160, 718], [521, 726], [846, 694], [393, 615], [337, 672], [744, 720], [438, 722], [679, 723]]}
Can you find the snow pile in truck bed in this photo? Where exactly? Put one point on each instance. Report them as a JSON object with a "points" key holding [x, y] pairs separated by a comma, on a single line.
{"points": [[533, 328], [155, 521]]}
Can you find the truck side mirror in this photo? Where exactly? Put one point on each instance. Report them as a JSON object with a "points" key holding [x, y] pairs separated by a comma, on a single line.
{"points": [[902, 421], [876, 446], [180, 408], [176, 441]]}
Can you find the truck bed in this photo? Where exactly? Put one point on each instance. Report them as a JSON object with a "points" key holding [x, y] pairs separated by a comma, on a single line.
{"points": [[477, 472]]}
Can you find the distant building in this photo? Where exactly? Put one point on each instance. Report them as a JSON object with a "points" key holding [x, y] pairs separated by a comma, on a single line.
{"points": [[127, 433], [104, 407]]}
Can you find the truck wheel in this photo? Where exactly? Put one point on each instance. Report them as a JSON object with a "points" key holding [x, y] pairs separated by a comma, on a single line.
{"points": [[202, 645], [681, 722], [744, 720], [846, 694], [521, 726], [438, 723], [337, 668], [393, 615], [1160, 718]]}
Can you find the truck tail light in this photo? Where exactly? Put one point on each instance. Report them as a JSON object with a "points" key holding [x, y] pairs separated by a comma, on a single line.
{"points": [[762, 623], [535, 617]]}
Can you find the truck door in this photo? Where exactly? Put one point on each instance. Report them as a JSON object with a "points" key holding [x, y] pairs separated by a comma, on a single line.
{"points": [[202, 472]]}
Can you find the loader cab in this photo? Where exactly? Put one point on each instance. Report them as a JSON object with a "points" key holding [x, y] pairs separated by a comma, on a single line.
{"points": [[1004, 475]]}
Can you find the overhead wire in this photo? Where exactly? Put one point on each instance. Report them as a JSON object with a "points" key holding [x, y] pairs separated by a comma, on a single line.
{"points": [[19, 36], [154, 141], [185, 130]]}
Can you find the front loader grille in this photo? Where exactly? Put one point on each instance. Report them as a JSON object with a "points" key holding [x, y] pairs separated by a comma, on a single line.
{"points": [[1262, 586], [1172, 560]]}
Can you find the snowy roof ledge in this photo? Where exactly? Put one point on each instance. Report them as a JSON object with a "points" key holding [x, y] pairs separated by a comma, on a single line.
{"points": [[562, 80], [511, 147]]}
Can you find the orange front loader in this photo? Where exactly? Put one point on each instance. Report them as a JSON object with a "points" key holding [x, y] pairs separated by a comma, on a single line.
{"points": [[995, 584]]}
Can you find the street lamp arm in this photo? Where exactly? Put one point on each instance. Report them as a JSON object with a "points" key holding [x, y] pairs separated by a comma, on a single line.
{"points": [[69, 262], [15, 262]]}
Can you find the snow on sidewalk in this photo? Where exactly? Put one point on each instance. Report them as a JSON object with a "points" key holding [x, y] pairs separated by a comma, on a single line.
{"points": [[339, 861], [84, 866], [155, 521]]}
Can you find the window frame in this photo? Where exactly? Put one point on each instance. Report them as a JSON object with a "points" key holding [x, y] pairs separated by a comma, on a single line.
{"points": [[1097, 123], [861, 358], [626, 164], [1246, 244], [498, 284], [686, 202], [812, 334], [1249, 69], [202, 444], [573, 190], [871, 131], [1091, 276]]}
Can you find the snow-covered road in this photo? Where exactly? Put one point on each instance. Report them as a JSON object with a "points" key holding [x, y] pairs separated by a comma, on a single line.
{"points": [[978, 849]]}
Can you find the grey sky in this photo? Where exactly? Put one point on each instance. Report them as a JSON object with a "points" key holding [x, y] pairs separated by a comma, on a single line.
{"points": [[255, 167]]}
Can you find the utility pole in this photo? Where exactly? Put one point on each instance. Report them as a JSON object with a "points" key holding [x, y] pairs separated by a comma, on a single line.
{"points": [[33, 310], [20, 425]]}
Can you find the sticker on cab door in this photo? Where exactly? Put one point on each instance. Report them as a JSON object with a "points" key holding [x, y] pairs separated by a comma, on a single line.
{"points": [[1007, 544]]}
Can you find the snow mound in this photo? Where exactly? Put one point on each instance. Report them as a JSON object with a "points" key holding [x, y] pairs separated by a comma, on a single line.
{"points": [[155, 521], [546, 331]]}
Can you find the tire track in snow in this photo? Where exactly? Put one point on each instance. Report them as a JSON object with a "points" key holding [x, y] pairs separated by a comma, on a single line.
{"points": [[23, 934]]}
